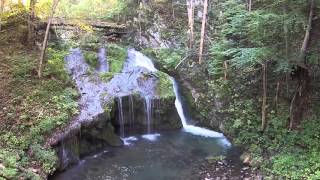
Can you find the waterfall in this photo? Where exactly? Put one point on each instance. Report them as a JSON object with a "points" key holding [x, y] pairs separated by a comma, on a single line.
{"points": [[121, 119], [143, 61], [103, 64], [131, 111], [190, 128], [148, 110]]}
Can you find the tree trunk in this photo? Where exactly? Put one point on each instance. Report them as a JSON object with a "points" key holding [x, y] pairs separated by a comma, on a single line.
{"points": [[264, 97], [277, 96], [1, 10], [31, 23], [190, 9], [225, 65], [301, 99], [250, 6], [306, 40], [203, 28], [44, 44]]}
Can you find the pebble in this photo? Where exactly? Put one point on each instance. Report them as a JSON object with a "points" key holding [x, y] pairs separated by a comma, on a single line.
{"points": [[245, 168]]}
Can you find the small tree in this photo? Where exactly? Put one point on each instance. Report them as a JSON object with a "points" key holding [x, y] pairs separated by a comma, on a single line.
{"points": [[45, 41]]}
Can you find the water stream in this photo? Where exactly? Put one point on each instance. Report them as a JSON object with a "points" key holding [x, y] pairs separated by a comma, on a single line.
{"points": [[103, 60], [144, 61], [121, 119]]}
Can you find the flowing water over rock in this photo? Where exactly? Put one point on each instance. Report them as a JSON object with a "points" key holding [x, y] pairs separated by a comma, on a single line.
{"points": [[157, 154], [103, 64]]}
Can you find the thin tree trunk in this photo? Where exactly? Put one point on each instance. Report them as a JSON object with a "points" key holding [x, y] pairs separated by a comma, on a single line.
{"points": [[45, 41], [173, 12], [225, 65], [250, 6], [300, 99], [277, 96], [308, 31], [203, 28], [1, 11], [31, 22], [190, 9], [264, 97], [291, 111]]}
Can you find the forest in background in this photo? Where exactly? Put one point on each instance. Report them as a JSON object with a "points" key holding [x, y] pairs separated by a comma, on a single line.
{"points": [[258, 70]]}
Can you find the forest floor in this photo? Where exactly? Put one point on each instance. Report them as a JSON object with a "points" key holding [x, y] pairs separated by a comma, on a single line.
{"points": [[30, 109], [224, 170]]}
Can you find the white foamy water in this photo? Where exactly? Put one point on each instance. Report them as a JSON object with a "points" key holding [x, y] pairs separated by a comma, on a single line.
{"points": [[151, 137], [141, 60], [128, 140]]}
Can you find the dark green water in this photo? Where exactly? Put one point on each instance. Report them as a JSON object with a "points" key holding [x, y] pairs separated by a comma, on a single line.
{"points": [[173, 155]]}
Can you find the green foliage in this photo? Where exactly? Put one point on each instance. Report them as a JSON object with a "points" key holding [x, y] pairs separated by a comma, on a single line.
{"points": [[91, 58], [86, 9], [107, 76], [23, 67], [116, 56], [89, 41], [35, 108], [164, 87], [64, 107], [55, 64], [167, 58], [46, 157]]}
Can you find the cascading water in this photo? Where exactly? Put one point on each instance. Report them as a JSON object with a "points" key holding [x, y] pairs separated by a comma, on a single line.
{"points": [[126, 140], [144, 61], [131, 111], [148, 110], [141, 60], [121, 119], [190, 128], [102, 60]]}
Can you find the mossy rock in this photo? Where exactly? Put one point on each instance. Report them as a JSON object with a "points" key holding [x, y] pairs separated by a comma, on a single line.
{"points": [[165, 86], [91, 58], [116, 56], [110, 137]]}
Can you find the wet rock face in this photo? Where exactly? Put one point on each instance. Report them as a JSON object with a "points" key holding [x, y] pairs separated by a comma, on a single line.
{"points": [[163, 115], [87, 139], [98, 123]]}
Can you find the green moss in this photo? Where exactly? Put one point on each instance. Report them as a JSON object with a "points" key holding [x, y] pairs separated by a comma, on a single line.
{"points": [[164, 87], [167, 58], [116, 56], [106, 76], [91, 58]]}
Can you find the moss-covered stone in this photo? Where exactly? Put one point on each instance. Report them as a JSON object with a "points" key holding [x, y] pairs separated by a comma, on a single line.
{"points": [[116, 56], [165, 86], [91, 58]]}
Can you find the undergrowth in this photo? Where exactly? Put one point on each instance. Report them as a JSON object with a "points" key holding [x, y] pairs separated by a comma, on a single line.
{"points": [[34, 108]]}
